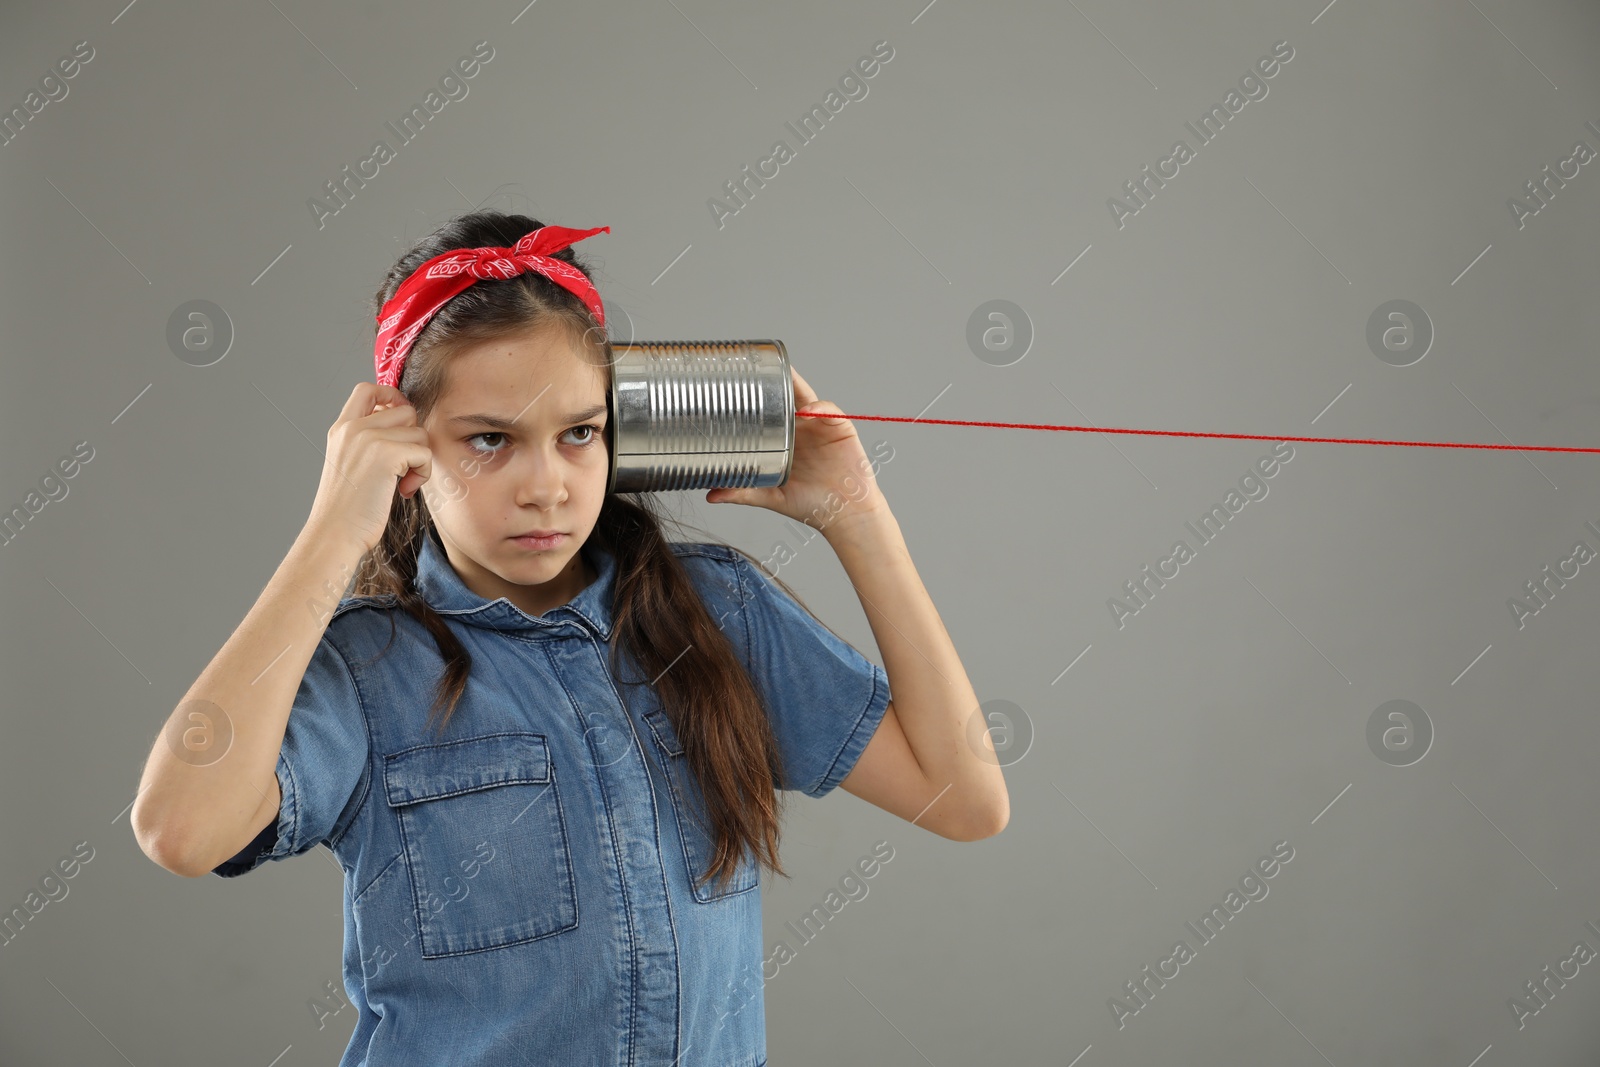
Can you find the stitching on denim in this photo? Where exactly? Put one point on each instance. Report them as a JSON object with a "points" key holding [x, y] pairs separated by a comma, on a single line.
{"points": [[650, 718], [446, 934], [397, 858], [366, 726], [605, 801], [816, 787], [703, 548], [288, 811], [466, 741], [740, 565], [684, 813], [738, 577], [856, 728], [520, 770]]}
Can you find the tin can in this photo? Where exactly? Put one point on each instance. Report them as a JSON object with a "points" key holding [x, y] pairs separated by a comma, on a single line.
{"points": [[700, 415]]}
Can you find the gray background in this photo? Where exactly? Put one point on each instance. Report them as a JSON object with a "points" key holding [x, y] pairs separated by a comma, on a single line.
{"points": [[1230, 714]]}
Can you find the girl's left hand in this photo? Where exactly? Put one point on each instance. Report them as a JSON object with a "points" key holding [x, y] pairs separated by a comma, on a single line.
{"points": [[831, 476]]}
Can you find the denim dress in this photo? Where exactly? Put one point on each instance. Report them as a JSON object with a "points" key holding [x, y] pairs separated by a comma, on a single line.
{"points": [[521, 890]]}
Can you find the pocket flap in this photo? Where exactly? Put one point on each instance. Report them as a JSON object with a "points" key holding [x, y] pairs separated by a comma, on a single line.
{"points": [[661, 726], [427, 772]]}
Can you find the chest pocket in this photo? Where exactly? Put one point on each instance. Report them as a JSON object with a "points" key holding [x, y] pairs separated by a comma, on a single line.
{"points": [[485, 839], [689, 807]]}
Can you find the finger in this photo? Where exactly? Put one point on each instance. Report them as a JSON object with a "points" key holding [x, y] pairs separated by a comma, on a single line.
{"points": [[828, 406], [408, 435], [397, 402], [725, 495], [366, 396], [398, 415], [359, 402], [421, 470], [803, 393]]}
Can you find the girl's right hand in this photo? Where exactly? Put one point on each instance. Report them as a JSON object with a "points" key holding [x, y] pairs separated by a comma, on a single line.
{"points": [[375, 447]]}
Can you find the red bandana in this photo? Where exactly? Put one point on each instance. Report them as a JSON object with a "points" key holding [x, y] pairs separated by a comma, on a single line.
{"points": [[443, 276]]}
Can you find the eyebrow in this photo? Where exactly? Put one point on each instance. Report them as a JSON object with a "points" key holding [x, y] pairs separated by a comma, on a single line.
{"points": [[499, 422]]}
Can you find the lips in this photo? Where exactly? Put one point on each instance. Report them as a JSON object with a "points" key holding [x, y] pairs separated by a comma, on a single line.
{"points": [[539, 533], [540, 542]]}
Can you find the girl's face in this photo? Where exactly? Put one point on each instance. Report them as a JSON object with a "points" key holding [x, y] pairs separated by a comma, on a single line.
{"points": [[518, 443]]}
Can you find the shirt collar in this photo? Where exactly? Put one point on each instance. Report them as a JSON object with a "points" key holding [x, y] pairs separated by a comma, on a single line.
{"points": [[438, 583]]}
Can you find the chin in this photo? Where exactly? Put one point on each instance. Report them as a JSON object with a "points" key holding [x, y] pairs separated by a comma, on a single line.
{"points": [[543, 562]]}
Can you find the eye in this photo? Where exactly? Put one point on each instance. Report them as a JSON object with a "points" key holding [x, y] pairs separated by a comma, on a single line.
{"points": [[484, 451], [595, 433]]}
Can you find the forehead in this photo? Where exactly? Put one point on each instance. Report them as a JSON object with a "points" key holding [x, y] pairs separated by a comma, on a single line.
{"points": [[507, 375]]}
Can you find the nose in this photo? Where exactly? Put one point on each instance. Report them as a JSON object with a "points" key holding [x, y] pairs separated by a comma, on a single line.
{"points": [[540, 484]]}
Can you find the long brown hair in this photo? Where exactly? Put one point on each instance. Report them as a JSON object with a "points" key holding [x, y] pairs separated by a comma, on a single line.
{"points": [[708, 696]]}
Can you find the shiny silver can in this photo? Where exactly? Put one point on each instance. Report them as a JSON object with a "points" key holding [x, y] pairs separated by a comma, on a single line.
{"points": [[700, 415]]}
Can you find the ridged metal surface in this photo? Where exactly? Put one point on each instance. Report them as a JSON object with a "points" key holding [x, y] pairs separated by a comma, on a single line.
{"points": [[700, 414]]}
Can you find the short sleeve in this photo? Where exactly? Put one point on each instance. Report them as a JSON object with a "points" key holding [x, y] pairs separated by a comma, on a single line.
{"points": [[324, 768], [825, 699]]}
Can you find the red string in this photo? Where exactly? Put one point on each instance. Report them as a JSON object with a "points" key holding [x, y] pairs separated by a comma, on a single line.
{"points": [[1192, 433]]}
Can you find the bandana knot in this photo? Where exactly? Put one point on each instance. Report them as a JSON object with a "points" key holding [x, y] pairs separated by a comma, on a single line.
{"points": [[432, 285]]}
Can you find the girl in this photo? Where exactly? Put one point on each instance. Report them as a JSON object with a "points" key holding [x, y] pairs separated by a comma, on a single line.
{"points": [[545, 743]]}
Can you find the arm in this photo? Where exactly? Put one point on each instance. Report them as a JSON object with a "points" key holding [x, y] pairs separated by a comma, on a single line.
{"points": [[920, 764], [193, 813], [194, 810]]}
